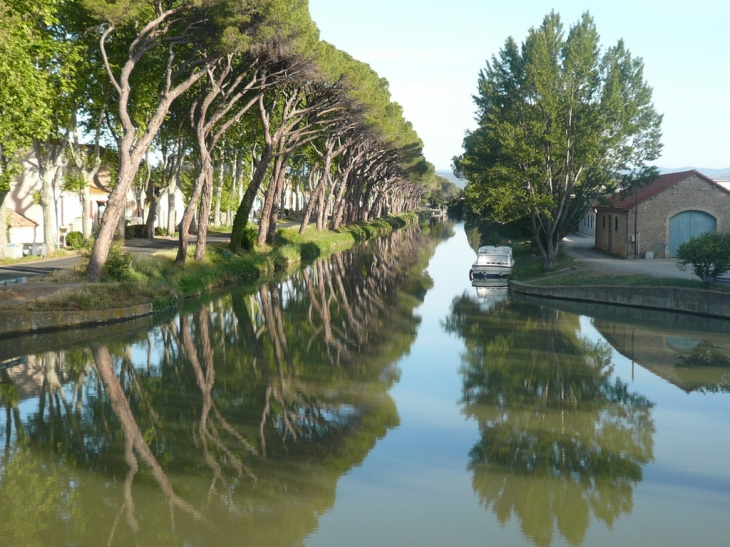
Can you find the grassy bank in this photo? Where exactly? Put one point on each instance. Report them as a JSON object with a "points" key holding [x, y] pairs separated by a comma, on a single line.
{"points": [[578, 278], [158, 280]]}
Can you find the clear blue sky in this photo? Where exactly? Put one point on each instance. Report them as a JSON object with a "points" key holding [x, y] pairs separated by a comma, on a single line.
{"points": [[432, 50]]}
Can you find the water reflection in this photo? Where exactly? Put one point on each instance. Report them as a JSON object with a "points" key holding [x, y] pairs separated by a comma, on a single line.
{"points": [[692, 361], [690, 351], [561, 440], [230, 424], [491, 292]]}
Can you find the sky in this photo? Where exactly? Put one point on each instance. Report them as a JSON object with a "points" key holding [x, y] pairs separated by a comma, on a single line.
{"points": [[431, 52]]}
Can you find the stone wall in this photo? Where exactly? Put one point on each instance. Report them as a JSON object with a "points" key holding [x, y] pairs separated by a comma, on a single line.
{"points": [[706, 303], [614, 229]]}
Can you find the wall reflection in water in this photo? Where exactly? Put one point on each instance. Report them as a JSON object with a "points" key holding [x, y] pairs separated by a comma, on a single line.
{"points": [[562, 441], [230, 424]]}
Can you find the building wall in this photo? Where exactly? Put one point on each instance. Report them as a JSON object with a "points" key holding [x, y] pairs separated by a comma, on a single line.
{"points": [[613, 231], [587, 225], [692, 194]]}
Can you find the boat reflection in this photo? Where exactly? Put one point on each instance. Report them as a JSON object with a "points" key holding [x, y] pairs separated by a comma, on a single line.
{"points": [[490, 291]]}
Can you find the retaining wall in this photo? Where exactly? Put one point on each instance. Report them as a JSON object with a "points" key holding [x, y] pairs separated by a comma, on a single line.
{"points": [[707, 303], [31, 322]]}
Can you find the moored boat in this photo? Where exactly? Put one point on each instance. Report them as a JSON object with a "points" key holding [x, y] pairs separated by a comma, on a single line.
{"points": [[492, 261]]}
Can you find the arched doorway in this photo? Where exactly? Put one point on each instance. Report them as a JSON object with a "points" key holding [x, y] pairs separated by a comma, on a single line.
{"points": [[686, 225]]}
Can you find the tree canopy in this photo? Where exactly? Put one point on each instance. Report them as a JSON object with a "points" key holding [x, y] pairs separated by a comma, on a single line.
{"points": [[560, 122]]}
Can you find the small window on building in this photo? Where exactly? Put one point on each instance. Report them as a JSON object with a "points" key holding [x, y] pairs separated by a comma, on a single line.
{"points": [[616, 223], [604, 222]]}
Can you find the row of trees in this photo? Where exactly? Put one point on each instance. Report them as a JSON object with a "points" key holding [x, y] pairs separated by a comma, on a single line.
{"points": [[560, 123], [239, 97]]}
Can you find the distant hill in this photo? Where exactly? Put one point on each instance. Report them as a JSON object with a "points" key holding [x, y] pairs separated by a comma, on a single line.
{"points": [[447, 174], [711, 173]]}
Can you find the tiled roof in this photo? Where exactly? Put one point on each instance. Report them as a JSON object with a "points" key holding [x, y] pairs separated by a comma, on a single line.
{"points": [[17, 220], [626, 201]]}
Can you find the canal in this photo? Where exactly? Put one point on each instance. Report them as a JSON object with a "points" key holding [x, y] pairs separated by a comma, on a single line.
{"points": [[374, 398]]}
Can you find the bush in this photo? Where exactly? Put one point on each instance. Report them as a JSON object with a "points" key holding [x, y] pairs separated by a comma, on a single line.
{"points": [[249, 238], [75, 240], [709, 255], [119, 264], [135, 230]]}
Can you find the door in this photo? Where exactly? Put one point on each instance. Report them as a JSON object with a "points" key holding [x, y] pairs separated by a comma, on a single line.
{"points": [[685, 226]]}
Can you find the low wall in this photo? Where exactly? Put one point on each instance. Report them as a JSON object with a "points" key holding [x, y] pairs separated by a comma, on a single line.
{"points": [[707, 303], [31, 322]]}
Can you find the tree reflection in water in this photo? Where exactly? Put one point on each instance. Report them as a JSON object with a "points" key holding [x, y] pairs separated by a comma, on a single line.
{"points": [[229, 425], [560, 440]]}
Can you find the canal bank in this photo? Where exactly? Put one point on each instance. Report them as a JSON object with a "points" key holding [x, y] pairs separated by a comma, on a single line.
{"points": [[677, 299], [227, 270]]}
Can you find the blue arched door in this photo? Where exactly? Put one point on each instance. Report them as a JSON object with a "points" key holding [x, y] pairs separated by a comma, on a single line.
{"points": [[686, 225]]}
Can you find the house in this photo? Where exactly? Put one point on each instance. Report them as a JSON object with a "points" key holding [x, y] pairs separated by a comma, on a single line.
{"points": [[26, 213], [587, 226], [655, 219], [22, 229]]}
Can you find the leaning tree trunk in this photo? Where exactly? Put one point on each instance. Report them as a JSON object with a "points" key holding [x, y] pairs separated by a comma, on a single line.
{"points": [[3, 223], [270, 201], [244, 209], [204, 217], [206, 170], [218, 196], [280, 186]]}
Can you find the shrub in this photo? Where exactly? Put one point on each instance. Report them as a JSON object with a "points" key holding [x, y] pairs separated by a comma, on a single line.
{"points": [[119, 265], [75, 240], [250, 235], [709, 255], [135, 230]]}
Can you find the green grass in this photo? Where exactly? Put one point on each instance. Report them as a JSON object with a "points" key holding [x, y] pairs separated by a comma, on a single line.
{"points": [[102, 296], [602, 278], [528, 266], [157, 279]]}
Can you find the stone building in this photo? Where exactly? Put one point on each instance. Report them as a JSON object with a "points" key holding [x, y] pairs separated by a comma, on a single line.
{"points": [[668, 211]]}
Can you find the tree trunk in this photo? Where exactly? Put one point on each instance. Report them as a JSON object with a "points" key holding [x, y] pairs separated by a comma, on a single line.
{"points": [[269, 209], [86, 212], [322, 208], [204, 216], [206, 169], [171, 208], [47, 203], [244, 209], [311, 202], [281, 185], [3, 225], [218, 195]]}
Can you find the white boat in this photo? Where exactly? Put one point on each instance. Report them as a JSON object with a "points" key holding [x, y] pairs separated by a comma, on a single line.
{"points": [[492, 262]]}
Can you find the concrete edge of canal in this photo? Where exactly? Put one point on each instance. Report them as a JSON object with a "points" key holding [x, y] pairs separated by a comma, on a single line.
{"points": [[694, 301], [19, 323]]}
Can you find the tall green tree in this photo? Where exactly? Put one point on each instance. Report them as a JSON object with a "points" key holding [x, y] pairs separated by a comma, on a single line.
{"points": [[26, 91], [560, 123]]}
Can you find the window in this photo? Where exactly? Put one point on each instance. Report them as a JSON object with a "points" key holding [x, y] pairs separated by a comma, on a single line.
{"points": [[604, 221], [617, 223]]}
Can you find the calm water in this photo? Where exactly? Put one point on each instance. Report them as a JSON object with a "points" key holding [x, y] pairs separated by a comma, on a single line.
{"points": [[377, 398]]}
